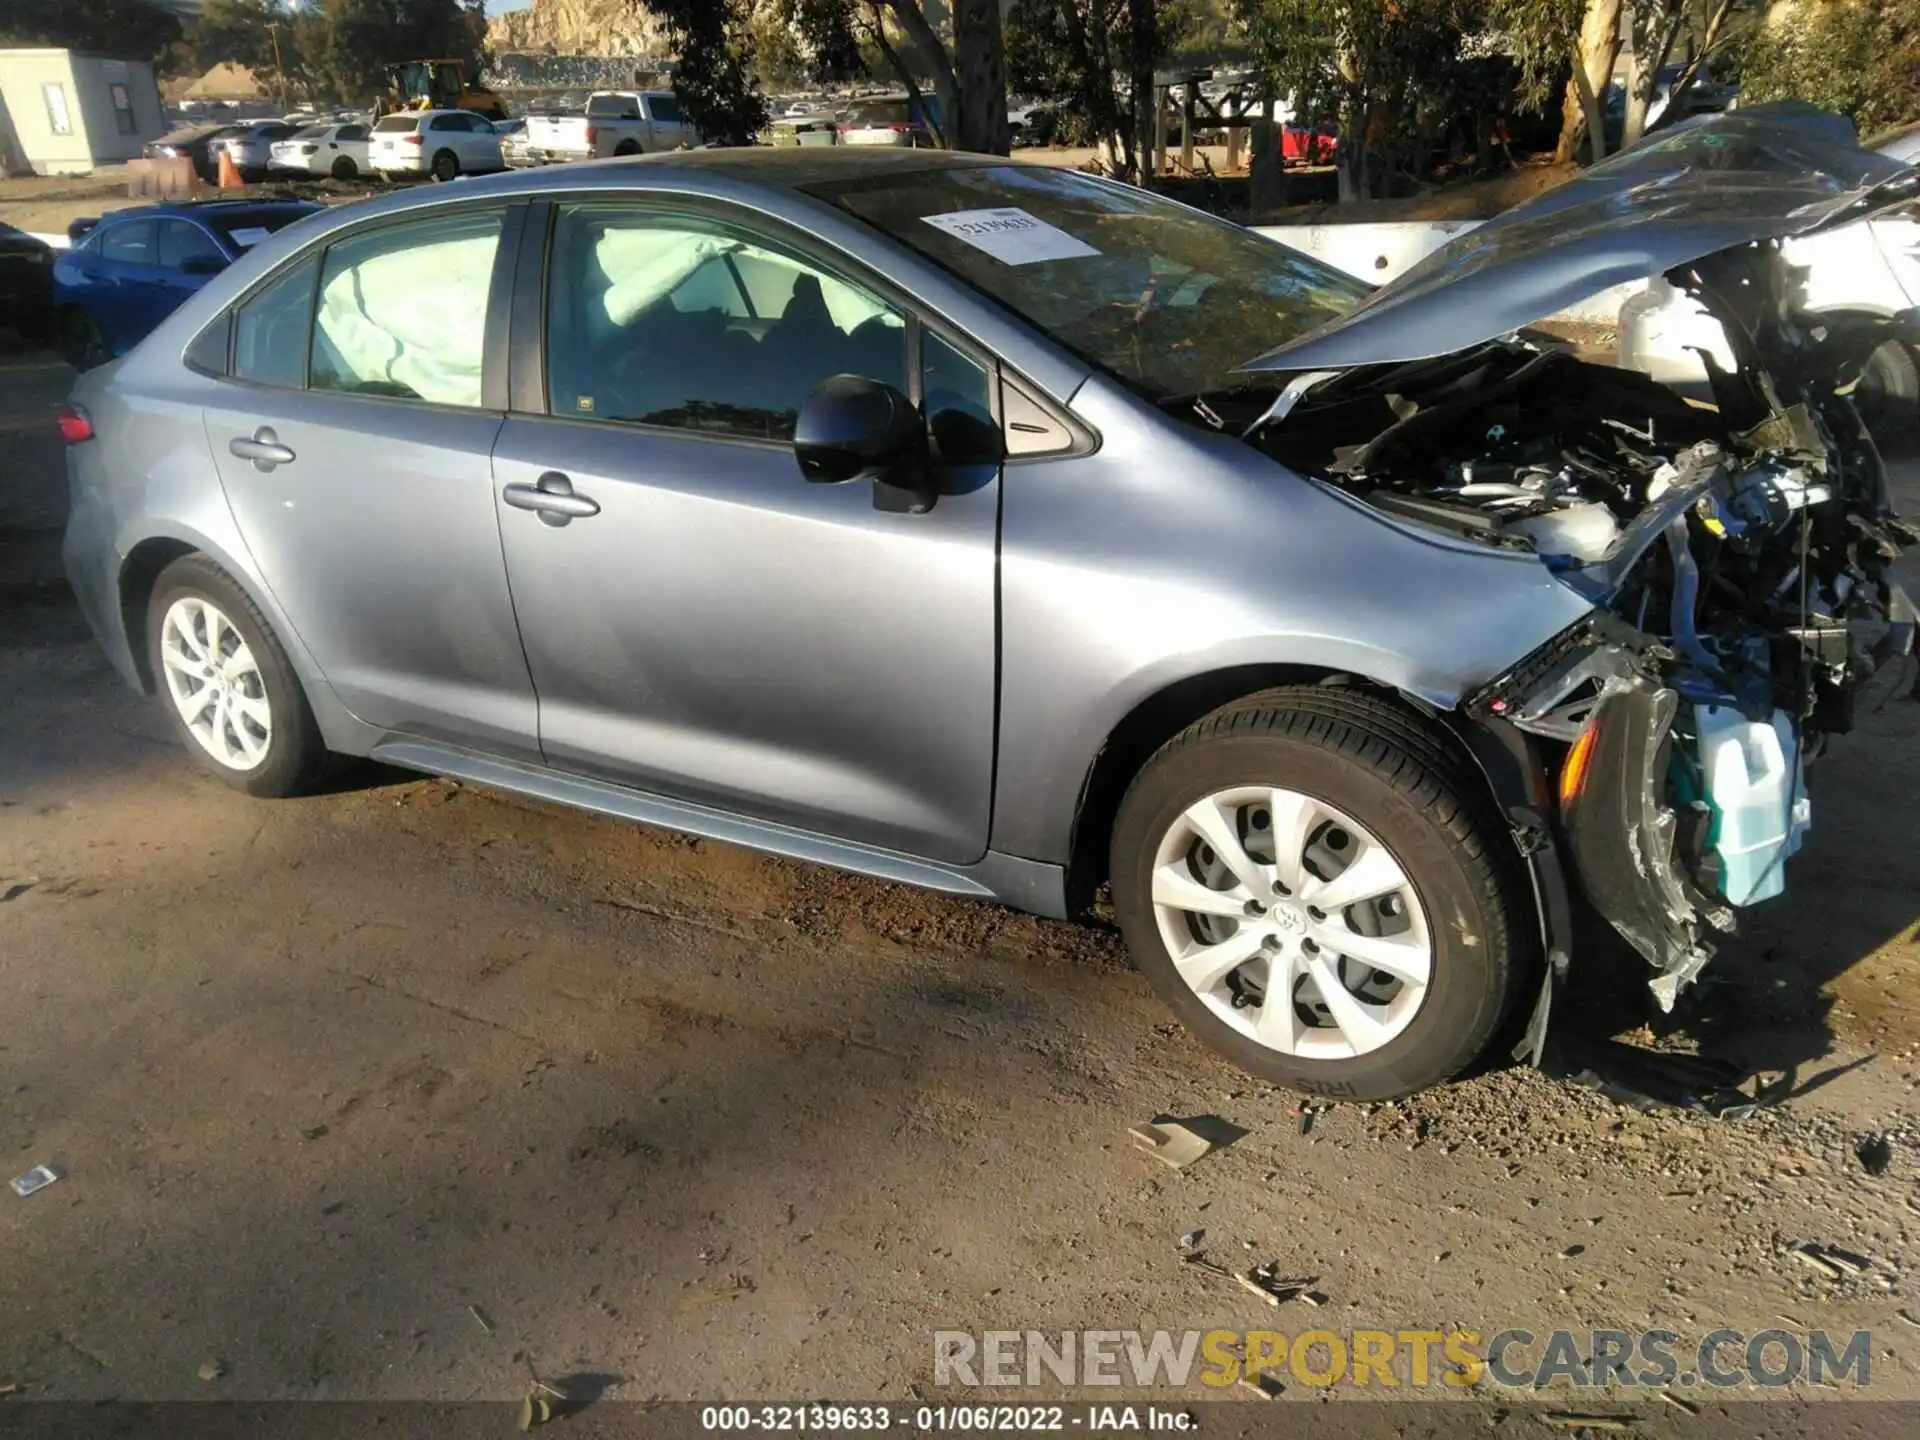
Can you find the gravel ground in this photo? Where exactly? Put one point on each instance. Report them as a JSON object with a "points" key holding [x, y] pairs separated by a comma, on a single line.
{"points": [[387, 1093]]}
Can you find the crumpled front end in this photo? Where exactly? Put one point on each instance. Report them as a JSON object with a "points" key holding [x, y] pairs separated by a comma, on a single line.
{"points": [[1736, 554], [1740, 613]]}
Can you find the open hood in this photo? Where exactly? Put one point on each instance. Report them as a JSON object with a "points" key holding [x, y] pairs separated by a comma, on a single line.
{"points": [[1708, 185]]}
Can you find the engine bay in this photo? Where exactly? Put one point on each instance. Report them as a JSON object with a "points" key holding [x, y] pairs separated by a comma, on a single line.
{"points": [[1736, 553]]}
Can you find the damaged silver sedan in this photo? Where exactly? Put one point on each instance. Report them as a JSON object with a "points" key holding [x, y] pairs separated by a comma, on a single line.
{"points": [[958, 522]]}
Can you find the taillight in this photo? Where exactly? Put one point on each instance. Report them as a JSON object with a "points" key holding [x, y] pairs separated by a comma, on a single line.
{"points": [[593, 134], [75, 424], [410, 139], [900, 129]]}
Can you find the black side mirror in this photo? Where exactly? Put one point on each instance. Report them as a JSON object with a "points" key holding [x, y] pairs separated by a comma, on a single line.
{"points": [[203, 265], [852, 428]]}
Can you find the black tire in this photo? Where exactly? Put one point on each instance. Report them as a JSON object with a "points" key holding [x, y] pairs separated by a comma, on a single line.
{"points": [[446, 166], [627, 147], [1888, 398], [82, 341], [344, 168], [296, 757], [1396, 775]]}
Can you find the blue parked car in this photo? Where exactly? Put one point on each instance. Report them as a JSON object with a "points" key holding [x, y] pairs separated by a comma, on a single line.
{"points": [[131, 269]]}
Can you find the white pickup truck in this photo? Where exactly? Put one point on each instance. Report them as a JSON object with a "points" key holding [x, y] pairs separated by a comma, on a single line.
{"points": [[616, 122]]}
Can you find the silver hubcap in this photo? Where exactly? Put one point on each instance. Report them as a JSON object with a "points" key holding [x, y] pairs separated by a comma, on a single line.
{"points": [[1292, 923], [215, 683]]}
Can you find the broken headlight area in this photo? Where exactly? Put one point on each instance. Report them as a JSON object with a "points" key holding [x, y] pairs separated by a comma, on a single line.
{"points": [[1738, 611], [1736, 556]]}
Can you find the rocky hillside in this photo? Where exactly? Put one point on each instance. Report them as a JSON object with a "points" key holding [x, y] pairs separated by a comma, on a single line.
{"points": [[579, 27]]}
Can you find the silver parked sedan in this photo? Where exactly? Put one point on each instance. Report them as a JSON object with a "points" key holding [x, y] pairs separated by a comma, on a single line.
{"points": [[1008, 531]]}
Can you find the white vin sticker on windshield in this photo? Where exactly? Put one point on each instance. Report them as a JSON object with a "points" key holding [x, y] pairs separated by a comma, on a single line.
{"points": [[1011, 236]]}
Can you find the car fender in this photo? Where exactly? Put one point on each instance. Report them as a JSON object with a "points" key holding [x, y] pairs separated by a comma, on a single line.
{"points": [[1172, 554]]}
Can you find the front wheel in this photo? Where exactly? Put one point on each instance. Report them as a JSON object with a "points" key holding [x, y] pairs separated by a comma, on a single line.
{"points": [[1888, 398], [1311, 880]]}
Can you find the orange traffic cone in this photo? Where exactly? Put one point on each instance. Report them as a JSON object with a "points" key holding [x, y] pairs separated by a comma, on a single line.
{"points": [[230, 173]]}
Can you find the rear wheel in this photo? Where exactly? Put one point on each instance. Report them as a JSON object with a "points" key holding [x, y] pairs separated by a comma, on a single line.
{"points": [[344, 168], [446, 165], [1310, 879], [229, 688], [85, 346], [627, 147]]}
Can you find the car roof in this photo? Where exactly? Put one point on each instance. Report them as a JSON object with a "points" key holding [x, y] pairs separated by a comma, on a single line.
{"points": [[210, 209], [780, 169]]}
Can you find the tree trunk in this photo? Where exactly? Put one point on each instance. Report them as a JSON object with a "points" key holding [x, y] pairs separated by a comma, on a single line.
{"points": [[1356, 183], [980, 77], [1143, 29], [1581, 112], [1647, 62], [913, 21]]}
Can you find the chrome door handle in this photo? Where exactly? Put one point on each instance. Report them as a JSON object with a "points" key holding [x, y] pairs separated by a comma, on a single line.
{"points": [[264, 449], [551, 497]]}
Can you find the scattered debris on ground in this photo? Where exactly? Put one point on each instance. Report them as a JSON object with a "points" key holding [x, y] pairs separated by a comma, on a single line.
{"points": [[1180, 1142], [478, 1315], [36, 1179], [1875, 1154], [213, 1369]]}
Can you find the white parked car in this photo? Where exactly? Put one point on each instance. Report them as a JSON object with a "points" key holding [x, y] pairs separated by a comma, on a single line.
{"points": [[1868, 268], [616, 122], [440, 143], [251, 147], [325, 149]]}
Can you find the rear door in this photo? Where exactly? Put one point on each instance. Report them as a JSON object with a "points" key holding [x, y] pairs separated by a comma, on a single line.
{"points": [[353, 437], [700, 621], [667, 128], [188, 257], [126, 280]]}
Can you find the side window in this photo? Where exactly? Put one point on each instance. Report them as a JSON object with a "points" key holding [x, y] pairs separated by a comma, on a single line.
{"points": [[351, 132], [130, 244], [956, 396], [181, 242], [270, 330], [402, 311], [122, 109], [664, 107], [672, 322]]}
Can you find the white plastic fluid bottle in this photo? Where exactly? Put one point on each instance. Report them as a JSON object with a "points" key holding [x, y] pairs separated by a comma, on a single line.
{"points": [[1757, 793]]}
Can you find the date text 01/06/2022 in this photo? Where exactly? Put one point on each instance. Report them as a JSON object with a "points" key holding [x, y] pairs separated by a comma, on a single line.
{"points": [[945, 1419]]}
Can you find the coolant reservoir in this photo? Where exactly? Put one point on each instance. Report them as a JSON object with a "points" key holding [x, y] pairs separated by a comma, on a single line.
{"points": [[1581, 531], [1757, 793]]}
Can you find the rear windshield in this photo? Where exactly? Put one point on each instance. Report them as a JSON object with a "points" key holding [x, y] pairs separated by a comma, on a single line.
{"points": [[312, 132], [613, 107], [1169, 300], [393, 124], [252, 225], [880, 112]]}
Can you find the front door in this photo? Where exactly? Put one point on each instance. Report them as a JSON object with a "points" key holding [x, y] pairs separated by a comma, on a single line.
{"points": [[354, 448], [702, 622]]}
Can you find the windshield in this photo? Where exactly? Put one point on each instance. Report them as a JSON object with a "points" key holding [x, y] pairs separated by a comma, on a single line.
{"points": [[1166, 299]]}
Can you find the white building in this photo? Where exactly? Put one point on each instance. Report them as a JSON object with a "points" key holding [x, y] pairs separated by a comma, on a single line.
{"points": [[63, 112]]}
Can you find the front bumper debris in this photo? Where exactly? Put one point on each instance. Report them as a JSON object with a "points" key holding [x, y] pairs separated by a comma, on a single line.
{"points": [[1624, 838]]}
